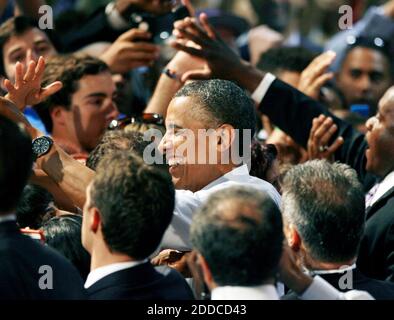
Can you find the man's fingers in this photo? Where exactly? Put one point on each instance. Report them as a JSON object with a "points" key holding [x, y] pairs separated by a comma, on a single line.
{"points": [[191, 26], [327, 136], [18, 74], [186, 34], [336, 145], [189, 7], [140, 46], [30, 71], [134, 34], [316, 123], [207, 26], [50, 90], [40, 68], [9, 86], [320, 81], [192, 51], [322, 130]]}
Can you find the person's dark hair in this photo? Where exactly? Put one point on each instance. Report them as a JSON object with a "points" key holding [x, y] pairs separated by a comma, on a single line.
{"points": [[135, 201], [13, 27], [239, 233], [35, 205], [114, 141], [325, 203], [294, 59], [16, 160], [223, 102], [63, 233], [262, 159], [68, 69]]}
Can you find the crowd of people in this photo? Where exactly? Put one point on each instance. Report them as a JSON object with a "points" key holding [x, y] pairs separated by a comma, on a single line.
{"points": [[220, 163]]}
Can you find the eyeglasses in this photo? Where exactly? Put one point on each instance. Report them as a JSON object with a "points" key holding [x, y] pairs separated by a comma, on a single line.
{"points": [[147, 118]]}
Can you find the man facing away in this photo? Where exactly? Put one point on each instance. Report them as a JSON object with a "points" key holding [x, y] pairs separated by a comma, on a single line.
{"points": [[129, 206]]}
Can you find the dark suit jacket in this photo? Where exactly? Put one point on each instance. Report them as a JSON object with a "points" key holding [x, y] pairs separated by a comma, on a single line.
{"points": [[293, 112], [142, 282], [380, 290], [20, 262]]}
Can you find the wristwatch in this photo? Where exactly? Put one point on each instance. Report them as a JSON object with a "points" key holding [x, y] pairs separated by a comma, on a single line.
{"points": [[41, 146]]}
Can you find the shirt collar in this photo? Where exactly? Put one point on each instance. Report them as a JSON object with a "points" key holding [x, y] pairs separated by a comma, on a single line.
{"points": [[99, 273], [263, 292], [384, 186], [331, 271], [237, 174], [8, 217]]}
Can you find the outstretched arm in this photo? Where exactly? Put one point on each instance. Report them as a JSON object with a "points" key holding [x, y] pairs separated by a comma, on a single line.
{"points": [[71, 176]]}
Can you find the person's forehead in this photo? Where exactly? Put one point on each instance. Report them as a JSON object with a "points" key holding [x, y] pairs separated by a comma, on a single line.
{"points": [[180, 110], [365, 58], [101, 82], [27, 38], [386, 105]]}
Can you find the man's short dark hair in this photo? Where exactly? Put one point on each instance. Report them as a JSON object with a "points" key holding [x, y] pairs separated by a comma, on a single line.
{"points": [[294, 59], [114, 141], [13, 27], [325, 203], [239, 233], [16, 160], [35, 206], [68, 69], [223, 102], [136, 203], [63, 233]]}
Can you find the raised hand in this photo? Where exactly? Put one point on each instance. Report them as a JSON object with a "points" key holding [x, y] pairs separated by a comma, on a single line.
{"points": [[315, 75], [221, 61], [323, 128], [126, 53], [27, 87]]}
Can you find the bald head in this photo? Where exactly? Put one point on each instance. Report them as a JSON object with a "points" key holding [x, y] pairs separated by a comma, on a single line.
{"points": [[239, 233]]}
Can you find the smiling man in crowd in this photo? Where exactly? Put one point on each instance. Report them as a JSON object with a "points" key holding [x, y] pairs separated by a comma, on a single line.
{"points": [[78, 114], [293, 112]]}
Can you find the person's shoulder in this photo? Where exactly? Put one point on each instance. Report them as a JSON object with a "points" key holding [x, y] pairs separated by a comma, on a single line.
{"points": [[175, 283]]}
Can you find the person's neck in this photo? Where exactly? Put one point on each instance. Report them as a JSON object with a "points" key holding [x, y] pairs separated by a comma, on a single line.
{"points": [[216, 172], [101, 256], [67, 144], [314, 265]]}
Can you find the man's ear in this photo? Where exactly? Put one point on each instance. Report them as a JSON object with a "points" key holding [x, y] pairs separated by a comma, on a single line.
{"points": [[226, 137], [58, 115], [293, 239], [208, 278], [95, 219]]}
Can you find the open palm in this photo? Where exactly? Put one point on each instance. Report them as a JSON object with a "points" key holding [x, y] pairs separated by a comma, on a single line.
{"points": [[27, 88]]}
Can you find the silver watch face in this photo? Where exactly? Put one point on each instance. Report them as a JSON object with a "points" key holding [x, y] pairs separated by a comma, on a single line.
{"points": [[41, 146]]}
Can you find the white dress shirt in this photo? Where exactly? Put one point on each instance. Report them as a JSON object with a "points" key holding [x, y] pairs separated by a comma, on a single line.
{"points": [[263, 292], [382, 188], [99, 273], [320, 289], [186, 202]]}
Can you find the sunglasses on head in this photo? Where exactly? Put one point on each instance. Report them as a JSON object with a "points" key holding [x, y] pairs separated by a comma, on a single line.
{"points": [[147, 118]]}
